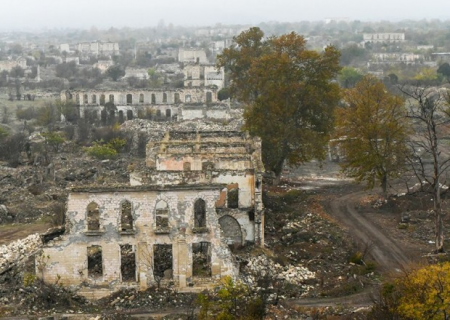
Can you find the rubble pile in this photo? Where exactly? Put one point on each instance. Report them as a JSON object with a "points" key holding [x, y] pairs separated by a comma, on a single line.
{"points": [[261, 266], [18, 250], [157, 129], [152, 298]]}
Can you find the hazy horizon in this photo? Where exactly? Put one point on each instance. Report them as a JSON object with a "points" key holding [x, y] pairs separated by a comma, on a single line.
{"points": [[49, 14]]}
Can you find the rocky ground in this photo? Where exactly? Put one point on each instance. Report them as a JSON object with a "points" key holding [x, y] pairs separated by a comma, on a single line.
{"points": [[308, 253]]}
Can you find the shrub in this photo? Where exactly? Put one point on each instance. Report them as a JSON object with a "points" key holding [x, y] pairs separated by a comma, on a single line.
{"points": [[26, 113], [102, 151], [54, 140], [356, 258], [3, 133]]}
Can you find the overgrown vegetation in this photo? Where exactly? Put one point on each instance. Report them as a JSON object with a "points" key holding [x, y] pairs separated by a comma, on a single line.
{"points": [[422, 293], [232, 301]]}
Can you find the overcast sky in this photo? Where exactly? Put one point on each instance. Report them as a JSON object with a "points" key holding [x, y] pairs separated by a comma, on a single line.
{"points": [[38, 14]]}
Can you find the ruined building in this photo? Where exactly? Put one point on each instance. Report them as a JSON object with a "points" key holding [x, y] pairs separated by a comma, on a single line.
{"points": [[198, 194], [199, 75], [163, 104]]}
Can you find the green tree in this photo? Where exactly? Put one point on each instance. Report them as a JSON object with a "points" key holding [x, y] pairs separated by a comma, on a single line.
{"points": [[68, 109], [444, 70], [349, 76], [101, 151], [372, 131], [3, 133], [352, 54], [426, 74], [115, 72], [48, 115], [223, 94], [17, 72], [54, 140], [289, 94]]}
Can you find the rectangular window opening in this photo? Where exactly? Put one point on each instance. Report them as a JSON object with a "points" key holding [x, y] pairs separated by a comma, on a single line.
{"points": [[162, 262], [201, 259], [95, 262], [127, 263]]}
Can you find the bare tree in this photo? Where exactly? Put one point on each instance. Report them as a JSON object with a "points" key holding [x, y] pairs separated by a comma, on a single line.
{"points": [[430, 113]]}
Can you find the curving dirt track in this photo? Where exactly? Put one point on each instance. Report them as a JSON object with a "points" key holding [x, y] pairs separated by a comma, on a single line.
{"points": [[391, 255], [387, 253]]}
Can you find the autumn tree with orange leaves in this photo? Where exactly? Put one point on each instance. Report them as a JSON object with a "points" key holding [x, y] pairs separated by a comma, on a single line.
{"points": [[289, 94], [372, 131]]}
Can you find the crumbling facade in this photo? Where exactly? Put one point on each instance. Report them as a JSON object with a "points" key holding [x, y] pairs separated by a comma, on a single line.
{"points": [[198, 194], [230, 158], [162, 103], [199, 75]]}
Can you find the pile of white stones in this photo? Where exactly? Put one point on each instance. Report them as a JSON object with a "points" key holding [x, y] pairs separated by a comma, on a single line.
{"points": [[261, 266], [18, 250]]}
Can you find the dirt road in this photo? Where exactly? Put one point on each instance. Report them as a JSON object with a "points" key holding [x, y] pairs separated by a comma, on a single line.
{"points": [[386, 252]]}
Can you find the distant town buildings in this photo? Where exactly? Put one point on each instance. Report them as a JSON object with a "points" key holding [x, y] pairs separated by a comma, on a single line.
{"points": [[198, 75], [383, 37], [97, 47], [192, 55], [8, 65]]}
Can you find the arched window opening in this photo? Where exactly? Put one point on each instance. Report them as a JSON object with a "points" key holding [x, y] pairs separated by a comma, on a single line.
{"points": [[141, 98], [162, 216], [104, 116], [102, 100], [129, 99], [121, 118], [208, 97], [200, 214], [112, 116], [187, 98], [187, 166], [164, 97], [85, 99], [168, 113], [153, 98], [129, 115], [94, 99], [126, 217], [93, 217], [111, 98], [176, 98], [77, 98], [231, 230]]}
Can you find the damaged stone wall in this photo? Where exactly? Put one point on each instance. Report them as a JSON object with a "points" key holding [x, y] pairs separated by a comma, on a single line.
{"points": [[69, 254], [232, 158], [141, 97]]}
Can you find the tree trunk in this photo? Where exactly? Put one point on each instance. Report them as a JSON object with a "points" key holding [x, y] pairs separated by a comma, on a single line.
{"points": [[384, 185], [439, 228], [278, 167], [438, 218]]}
